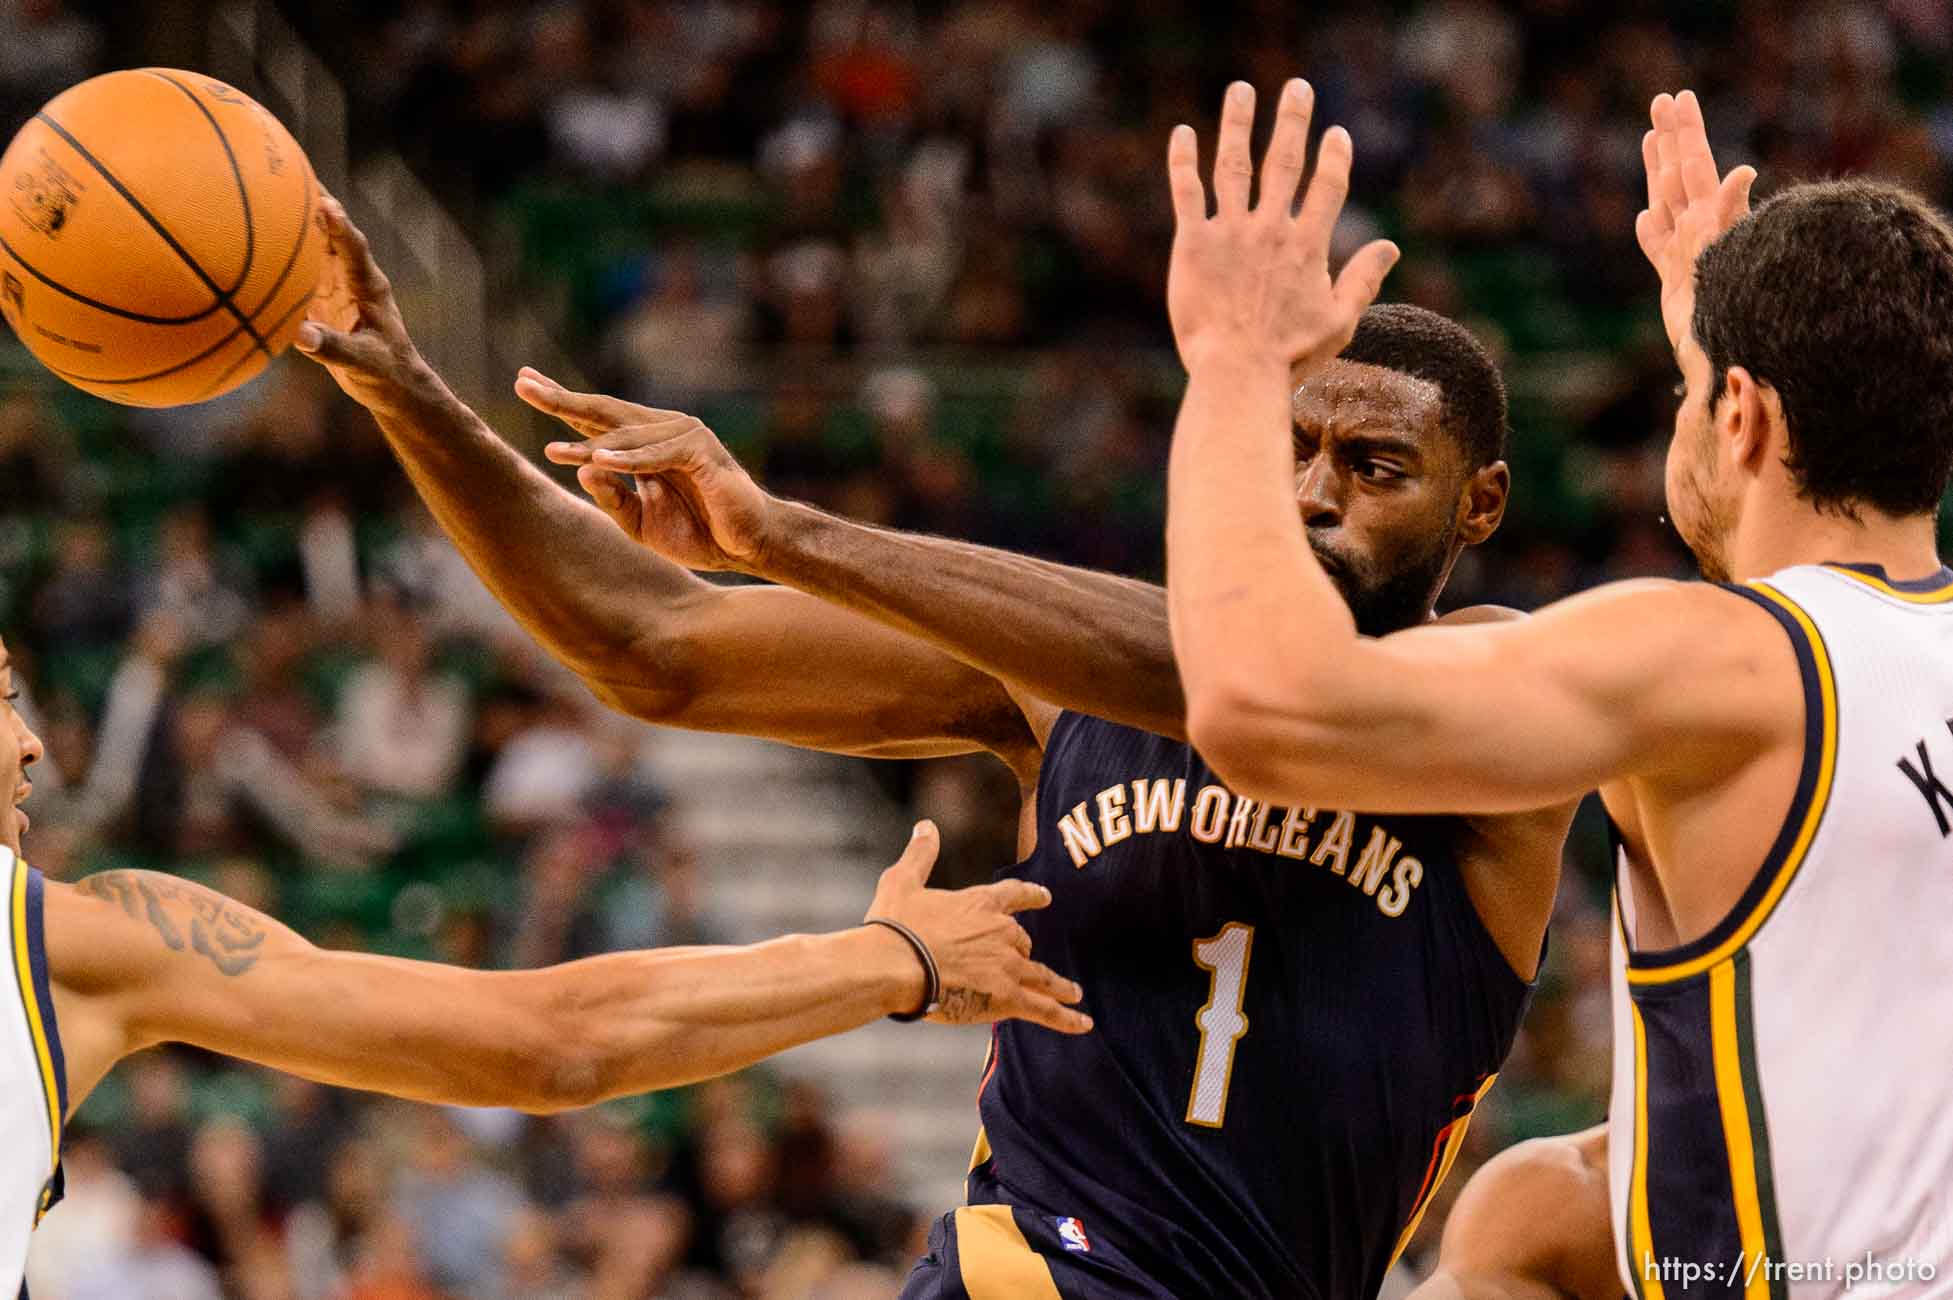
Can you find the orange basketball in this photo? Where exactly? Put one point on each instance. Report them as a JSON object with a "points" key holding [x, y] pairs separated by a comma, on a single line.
{"points": [[159, 237]]}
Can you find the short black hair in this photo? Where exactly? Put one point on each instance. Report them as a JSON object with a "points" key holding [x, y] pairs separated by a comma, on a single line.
{"points": [[1839, 295], [1425, 345]]}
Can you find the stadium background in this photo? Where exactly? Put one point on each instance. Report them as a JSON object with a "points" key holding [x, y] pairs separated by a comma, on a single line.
{"points": [[907, 259]]}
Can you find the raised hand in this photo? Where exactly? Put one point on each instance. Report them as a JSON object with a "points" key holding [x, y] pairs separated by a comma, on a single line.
{"points": [[981, 953], [1256, 279], [693, 503], [353, 327], [1690, 203]]}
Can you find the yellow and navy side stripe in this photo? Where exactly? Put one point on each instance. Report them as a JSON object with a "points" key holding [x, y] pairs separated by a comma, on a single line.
{"points": [[1936, 589], [1701, 1186], [1800, 825], [1444, 1153], [25, 917], [1708, 1193]]}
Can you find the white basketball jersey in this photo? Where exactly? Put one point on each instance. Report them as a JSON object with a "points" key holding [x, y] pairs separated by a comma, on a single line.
{"points": [[33, 1077], [1782, 1118]]}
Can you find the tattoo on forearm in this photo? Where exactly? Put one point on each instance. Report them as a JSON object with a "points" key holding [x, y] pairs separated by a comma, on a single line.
{"points": [[964, 1004], [230, 936]]}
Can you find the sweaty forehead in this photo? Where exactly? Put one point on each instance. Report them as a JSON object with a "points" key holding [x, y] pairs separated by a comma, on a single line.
{"points": [[1353, 397]]}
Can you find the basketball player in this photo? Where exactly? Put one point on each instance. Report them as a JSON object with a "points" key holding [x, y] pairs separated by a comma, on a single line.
{"points": [[124, 960], [1772, 746], [1297, 1006]]}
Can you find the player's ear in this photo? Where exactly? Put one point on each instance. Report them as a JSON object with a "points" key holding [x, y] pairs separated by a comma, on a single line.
{"points": [[1748, 422], [1481, 503]]}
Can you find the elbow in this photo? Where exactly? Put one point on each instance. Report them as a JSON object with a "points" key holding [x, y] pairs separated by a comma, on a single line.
{"points": [[567, 1075], [1254, 752], [648, 678]]}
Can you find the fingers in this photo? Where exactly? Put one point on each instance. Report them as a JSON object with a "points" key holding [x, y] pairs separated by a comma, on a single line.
{"points": [[1288, 150], [1183, 178], [685, 450], [1040, 978], [919, 859], [1042, 996], [623, 507], [588, 413], [1668, 173], [1663, 220], [1651, 166], [1328, 188], [603, 448], [1015, 896], [1700, 180], [1362, 277], [348, 242], [1233, 168], [1044, 1011]]}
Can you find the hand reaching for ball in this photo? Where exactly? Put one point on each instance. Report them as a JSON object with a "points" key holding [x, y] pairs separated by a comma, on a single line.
{"points": [[354, 328]]}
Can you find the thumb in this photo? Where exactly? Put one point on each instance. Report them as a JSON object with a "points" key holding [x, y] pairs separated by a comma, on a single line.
{"points": [[1362, 277], [332, 347], [919, 859], [1733, 199]]}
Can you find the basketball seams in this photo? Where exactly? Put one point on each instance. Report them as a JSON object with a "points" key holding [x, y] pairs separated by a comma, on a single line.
{"points": [[108, 308], [237, 175], [304, 236], [223, 300], [218, 383]]}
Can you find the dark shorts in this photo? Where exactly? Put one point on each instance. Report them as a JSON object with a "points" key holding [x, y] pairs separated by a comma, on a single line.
{"points": [[996, 1252]]}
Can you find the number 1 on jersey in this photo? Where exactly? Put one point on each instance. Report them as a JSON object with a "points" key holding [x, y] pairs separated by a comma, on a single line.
{"points": [[1221, 1024]]}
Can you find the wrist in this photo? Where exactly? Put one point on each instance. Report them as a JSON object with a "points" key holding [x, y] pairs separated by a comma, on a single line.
{"points": [[890, 963], [785, 532], [1232, 363], [408, 386]]}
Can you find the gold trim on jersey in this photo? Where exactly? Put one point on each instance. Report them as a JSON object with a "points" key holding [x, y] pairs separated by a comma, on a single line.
{"points": [[1454, 1141], [1807, 819], [996, 1262], [981, 1152], [1726, 1049], [1939, 597], [31, 1006], [1640, 1235]]}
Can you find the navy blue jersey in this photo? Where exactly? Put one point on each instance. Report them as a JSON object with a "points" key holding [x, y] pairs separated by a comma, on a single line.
{"points": [[1296, 1011]]}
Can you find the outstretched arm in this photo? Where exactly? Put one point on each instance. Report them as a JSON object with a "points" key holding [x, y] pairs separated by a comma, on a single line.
{"points": [[1533, 1224], [1072, 637], [139, 958], [646, 636]]}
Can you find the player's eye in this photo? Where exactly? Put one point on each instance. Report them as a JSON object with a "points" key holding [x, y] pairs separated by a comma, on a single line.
{"points": [[1378, 471]]}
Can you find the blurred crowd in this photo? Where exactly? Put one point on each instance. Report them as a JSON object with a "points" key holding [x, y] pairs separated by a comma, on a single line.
{"points": [[907, 258]]}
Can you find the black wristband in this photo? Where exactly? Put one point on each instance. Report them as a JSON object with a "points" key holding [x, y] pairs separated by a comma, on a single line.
{"points": [[932, 991]]}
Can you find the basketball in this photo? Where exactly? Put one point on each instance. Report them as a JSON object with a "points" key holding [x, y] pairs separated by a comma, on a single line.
{"points": [[159, 239]]}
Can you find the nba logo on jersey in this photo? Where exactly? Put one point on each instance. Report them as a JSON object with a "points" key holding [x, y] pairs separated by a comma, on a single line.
{"points": [[1072, 1233]]}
